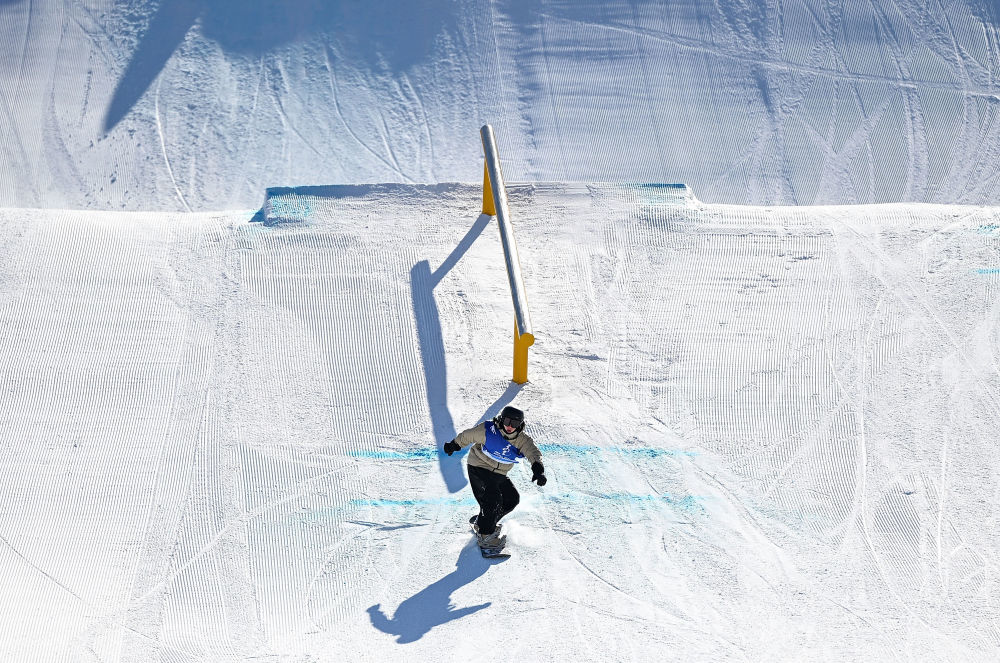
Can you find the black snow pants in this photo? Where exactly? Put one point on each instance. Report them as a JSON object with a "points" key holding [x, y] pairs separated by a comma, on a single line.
{"points": [[496, 495]]}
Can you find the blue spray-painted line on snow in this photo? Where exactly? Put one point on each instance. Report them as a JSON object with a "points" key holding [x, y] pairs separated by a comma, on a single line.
{"points": [[686, 503], [316, 515], [644, 452], [414, 454], [988, 270], [427, 453], [435, 501], [988, 228]]}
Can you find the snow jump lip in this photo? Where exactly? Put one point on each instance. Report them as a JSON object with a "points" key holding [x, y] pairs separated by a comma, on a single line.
{"points": [[297, 204]]}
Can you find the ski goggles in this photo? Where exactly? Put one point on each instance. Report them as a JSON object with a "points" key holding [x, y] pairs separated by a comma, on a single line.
{"points": [[507, 422]]}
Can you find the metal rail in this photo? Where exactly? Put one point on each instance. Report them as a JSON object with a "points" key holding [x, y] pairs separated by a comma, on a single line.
{"points": [[495, 203]]}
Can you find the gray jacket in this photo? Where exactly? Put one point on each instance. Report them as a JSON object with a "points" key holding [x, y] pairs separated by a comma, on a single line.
{"points": [[479, 457]]}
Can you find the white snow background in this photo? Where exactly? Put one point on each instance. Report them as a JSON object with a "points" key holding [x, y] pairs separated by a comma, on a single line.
{"points": [[769, 429]]}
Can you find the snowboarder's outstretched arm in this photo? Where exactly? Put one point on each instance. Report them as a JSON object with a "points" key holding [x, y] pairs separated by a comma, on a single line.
{"points": [[464, 439]]}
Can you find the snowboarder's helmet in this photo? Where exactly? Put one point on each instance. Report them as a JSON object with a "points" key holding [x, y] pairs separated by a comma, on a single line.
{"points": [[511, 416]]}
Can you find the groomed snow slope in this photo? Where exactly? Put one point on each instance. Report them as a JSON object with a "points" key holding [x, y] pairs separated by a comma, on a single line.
{"points": [[770, 433], [200, 105]]}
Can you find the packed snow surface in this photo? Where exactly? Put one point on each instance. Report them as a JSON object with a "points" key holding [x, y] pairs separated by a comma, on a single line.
{"points": [[201, 105], [770, 433]]}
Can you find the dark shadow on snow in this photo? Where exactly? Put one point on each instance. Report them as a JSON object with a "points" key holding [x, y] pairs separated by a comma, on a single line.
{"points": [[381, 35], [431, 340], [432, 606], [512, 390], [167, 30], [435, 371], [987, 11]]}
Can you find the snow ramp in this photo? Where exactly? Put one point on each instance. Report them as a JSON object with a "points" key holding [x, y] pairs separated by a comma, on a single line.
{"points": [[769, 432]]}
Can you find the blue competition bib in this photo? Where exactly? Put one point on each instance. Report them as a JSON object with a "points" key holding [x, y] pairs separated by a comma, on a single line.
{"points": [[498, 448]]}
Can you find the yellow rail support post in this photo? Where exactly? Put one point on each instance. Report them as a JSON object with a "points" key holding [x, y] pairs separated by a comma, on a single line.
{"points": [[521, 344], [495, 204]]}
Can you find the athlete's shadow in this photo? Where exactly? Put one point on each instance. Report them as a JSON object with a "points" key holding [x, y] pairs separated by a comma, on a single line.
{"points": [[431, 607]]}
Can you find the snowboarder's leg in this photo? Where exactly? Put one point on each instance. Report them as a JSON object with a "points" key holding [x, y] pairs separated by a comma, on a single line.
{"points": [[486, 488], [509, 497]]}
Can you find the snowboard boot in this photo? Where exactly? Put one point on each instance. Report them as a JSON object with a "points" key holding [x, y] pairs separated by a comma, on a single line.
{"points": [[491, 541]]}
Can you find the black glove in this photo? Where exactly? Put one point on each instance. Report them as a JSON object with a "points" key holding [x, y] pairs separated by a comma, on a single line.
{"points": [[451, 447], [538, 473]]}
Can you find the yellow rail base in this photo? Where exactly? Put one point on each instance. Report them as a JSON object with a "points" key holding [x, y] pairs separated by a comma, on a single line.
{"points": [[521, 344]]}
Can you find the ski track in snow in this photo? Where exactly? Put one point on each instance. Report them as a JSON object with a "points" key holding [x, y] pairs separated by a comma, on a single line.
{"points": [[163, 149], [220, 434]]}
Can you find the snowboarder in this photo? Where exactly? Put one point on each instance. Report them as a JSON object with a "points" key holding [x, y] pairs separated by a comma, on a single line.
{"points": [[496, 446]]}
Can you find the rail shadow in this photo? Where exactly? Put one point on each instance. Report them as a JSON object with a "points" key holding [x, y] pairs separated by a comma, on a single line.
{"points": [[431, 342]]}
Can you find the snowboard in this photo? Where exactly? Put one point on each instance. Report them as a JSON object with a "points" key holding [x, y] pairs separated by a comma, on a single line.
{"points": [[494, 553]]}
